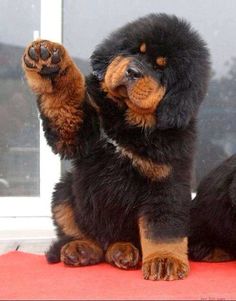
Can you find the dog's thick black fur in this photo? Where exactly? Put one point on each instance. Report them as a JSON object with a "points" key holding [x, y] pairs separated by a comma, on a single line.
{"points": [[213, 215], [133, 146]]}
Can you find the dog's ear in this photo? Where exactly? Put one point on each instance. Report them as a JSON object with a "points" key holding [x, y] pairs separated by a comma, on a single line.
{"points": [[179, 106], [183, 98], [98, 66], [186, 79], [101, 58]]}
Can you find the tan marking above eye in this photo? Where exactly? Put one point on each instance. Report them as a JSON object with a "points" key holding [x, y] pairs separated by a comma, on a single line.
{"points": [[143, 48], [161, 61]]}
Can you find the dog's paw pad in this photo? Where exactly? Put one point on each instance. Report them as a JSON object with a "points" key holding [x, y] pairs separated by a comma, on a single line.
{"points": [[45, 57], [33, 54], [44, 53], [56, 57]]}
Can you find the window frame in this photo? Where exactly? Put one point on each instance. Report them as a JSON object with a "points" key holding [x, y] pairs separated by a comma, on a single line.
{"points": [[50, 166]]}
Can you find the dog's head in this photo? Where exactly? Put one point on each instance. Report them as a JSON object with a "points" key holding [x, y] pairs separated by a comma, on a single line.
{"points": [[157, 68]]}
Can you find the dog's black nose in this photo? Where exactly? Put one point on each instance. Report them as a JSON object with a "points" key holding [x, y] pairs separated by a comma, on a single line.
{"points": [[133, 73]]}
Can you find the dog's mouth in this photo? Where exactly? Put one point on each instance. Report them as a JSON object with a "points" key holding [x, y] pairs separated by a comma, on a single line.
{"points": [[126, 83]]}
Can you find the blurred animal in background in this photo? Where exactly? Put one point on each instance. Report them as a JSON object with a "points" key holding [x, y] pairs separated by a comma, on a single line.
{"points": [[213, 215]]}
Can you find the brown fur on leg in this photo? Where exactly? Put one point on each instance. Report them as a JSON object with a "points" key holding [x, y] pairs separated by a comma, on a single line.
{"points": [[63, 216], [81, 253], [124, 255], [73, 247], [163, 260], [52, 74], [55, 74]]}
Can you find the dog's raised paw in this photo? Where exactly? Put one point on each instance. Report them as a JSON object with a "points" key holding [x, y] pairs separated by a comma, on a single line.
{"points": [[44, 57]]}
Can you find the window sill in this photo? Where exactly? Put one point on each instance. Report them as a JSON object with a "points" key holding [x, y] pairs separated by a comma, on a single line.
{"points": [[17, 228]]}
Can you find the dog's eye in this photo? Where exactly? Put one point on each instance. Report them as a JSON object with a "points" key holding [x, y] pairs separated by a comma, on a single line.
{"points": [[161, 61], [143, 48]]}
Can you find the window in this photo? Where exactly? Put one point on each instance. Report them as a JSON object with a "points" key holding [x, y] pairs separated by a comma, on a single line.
{"points": [[19, 124], [28, 168]]}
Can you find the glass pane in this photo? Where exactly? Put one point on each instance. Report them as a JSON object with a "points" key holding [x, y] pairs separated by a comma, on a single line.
{"points": [[86, 23], [19, 125]]}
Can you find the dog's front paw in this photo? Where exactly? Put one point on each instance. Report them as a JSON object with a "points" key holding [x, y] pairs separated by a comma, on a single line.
{"points": [[44, 57], [164, 268], [124, 255]]}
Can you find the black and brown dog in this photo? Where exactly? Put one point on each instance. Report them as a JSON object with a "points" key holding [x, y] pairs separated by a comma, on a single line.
{"points": [[213, 216], [130, 129]]}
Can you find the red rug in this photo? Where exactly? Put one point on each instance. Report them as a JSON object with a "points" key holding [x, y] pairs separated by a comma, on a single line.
{"points": [[27, 276]]}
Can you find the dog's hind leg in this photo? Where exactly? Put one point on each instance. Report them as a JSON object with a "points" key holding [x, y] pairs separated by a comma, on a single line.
{"points": [[218, 255], [202, 252], [72, 246]]}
